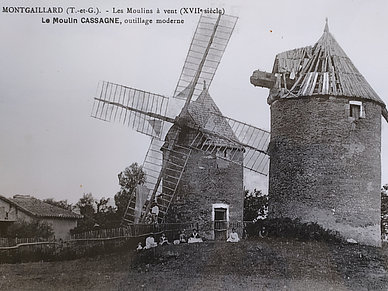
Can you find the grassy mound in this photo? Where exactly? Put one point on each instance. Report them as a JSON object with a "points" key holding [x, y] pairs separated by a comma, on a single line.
{"points": [[254, 264]]}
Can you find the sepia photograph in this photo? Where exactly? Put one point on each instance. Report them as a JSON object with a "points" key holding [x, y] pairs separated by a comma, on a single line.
{"points": [[193, 145]]}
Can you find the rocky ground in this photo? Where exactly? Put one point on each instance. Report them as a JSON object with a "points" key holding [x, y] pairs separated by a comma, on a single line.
{"points": [[267, 264]]}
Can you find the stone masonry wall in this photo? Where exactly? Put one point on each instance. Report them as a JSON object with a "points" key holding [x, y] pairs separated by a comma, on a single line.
{"points": [[207, 180], [325, 166]]}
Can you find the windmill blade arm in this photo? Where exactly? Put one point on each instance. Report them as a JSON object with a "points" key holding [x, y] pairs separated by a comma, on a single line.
{"points": [[141, 110], [230, 150], [237, 132], [206, 50], [248, 135], [222, 139], [228, 137], [150, 114], [164, 165]]}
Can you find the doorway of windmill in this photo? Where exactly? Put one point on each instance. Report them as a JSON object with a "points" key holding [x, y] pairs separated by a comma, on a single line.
{"points": [[220, 224]]}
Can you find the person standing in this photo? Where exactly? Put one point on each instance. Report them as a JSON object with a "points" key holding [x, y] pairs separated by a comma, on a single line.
{"points": [[155, 212]]}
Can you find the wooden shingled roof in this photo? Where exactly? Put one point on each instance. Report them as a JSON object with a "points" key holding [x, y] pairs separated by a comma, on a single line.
{"points": [[37, 208], [323, 69]]}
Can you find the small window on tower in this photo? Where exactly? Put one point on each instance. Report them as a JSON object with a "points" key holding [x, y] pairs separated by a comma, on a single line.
{"points": [[356, 110]]}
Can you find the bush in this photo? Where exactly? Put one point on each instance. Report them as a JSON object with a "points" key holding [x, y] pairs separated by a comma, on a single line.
{"points": [[288, 228], [34, 228], [255, 205]]}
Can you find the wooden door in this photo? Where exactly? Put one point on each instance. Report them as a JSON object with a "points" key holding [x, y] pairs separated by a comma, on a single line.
{"points": [[220, 224]]}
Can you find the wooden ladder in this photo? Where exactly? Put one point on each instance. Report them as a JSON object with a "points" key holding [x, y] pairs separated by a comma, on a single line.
{"points": [[172, 175]]}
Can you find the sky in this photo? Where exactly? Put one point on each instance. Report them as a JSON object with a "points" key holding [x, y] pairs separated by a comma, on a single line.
{"points": [[50, 147]]}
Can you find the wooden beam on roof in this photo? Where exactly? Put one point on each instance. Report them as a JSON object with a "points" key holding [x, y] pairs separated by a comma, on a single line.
{"points": [[268, 80], [263, 79]]}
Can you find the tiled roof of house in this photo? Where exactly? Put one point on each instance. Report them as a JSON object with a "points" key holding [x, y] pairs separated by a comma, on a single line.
{"points": [[38, 208], [323, 69]]}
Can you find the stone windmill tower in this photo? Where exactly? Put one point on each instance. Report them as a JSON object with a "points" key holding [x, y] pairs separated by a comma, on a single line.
{"points": [[325, 141], [194, 165]]}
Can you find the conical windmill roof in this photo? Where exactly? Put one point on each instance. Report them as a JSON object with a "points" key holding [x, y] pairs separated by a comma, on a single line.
{"points": [[206, 114], [323, 69], [203, 113]]}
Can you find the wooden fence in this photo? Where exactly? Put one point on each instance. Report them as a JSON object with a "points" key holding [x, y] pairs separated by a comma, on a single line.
{"points": [[93, 242], [133, 231], [142, 230], [84, 244], [12, 242]]}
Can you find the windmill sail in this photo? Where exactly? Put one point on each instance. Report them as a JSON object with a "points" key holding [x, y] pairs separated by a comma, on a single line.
{"points": [[252, 140], [255, 142], [143, 111], [165, 191], [172, 174], [208, 30], [152, 165]]}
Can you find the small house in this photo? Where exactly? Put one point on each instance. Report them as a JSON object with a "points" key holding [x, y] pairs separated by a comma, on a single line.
{"points": [[28, 208]]}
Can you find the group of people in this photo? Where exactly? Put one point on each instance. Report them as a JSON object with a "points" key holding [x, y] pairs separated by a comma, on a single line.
{"points": [[193, 238], [151, 243]]}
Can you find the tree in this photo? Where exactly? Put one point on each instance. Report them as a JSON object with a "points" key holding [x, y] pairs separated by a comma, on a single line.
{"points": [[255, 205], [128, 180], [102, 205], [85, 205], [96, 214], [86, 208], [105, 215]]}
